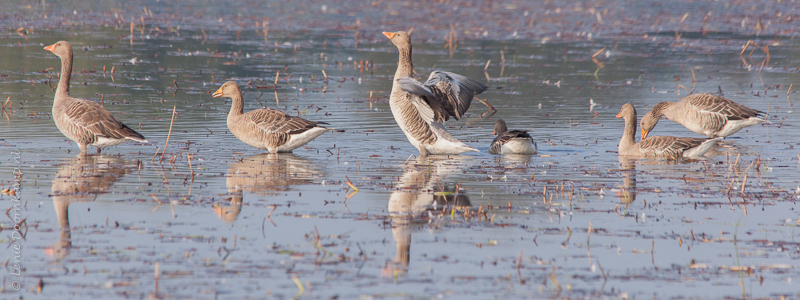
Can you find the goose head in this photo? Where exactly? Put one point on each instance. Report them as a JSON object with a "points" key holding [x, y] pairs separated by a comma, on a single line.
{"points": [[61, 49], [228, 89]]}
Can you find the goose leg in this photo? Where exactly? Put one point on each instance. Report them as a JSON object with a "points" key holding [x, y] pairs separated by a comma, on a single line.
{"points": [[83, 148]]}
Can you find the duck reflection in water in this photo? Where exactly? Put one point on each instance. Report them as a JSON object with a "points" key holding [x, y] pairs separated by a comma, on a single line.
{"points": [[81, 179], [415, 194], [264, 175]]}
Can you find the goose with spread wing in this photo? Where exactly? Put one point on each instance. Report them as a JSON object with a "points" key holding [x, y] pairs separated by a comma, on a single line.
{"points": [[264, 128], [420, 109], [511, 141], [83, 121], [706, 114], [658, 146]]}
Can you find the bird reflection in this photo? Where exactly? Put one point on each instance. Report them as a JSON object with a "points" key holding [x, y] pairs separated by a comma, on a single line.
{"points": [[628, 193], [264, 175], [81, 179], [520, 159], [422, 187]]}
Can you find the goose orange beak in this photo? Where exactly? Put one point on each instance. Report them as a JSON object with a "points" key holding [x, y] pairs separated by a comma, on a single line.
{"points": [[494, 132], [50, 48], [644, 134], [619, 115], [389, 35], [218, 93]]}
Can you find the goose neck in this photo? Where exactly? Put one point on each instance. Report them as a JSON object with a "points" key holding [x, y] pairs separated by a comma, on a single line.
{"points": [[237, 105], [66, 72], [405, 68], [629, 135]]}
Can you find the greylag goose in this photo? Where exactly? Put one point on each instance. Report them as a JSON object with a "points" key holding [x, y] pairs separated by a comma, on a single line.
{"points": [[83, 121], [658, 146], [265, 128], [706, 114], [420, 109], [511, 141]]}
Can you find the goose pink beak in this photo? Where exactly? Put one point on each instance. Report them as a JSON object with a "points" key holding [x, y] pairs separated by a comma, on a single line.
{"points": [[50, 48]]}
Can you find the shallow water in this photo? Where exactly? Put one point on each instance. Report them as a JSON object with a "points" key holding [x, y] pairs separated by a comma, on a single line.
{"points": [[236, 223]]}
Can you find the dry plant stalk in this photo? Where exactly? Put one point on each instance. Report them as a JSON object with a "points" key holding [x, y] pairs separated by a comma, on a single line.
{"points": [[486, 103], [350, 183], [189, 156], [174, 107], [598, 52]]}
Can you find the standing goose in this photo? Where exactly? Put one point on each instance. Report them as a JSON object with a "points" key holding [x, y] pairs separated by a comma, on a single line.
{"points": [[265, 128], [706, 114], [511, 141], [81, 120], [658, 146], [420, 109]]}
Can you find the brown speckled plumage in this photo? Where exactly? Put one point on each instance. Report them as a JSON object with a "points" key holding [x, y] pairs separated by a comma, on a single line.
{"points": [[265, 128], [421, 108], [704, 113], [83, 121], [658, 146]]}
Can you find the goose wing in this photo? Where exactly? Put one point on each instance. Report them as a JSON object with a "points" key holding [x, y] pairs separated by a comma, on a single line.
{"points": [[512, 134], [423, 99], [668, 146], [94, 120], [453, 91], [272, 121], [720, 108], [443, 95]]}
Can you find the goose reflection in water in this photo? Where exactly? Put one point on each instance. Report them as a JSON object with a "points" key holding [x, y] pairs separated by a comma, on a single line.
{"points": [[81, 179], [263, 175], [416, 192], [668, 173], [627, 194]]}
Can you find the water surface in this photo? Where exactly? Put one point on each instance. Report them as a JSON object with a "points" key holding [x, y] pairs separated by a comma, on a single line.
{"points": [[237, 223]]}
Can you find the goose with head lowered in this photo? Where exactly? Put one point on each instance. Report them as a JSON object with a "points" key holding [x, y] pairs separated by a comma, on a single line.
{"points": [[658, 146], [706, 114], [86, 122], [420, 109], [267, 129]]}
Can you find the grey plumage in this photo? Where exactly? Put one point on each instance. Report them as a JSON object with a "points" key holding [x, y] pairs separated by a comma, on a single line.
{"points": [[658, 146], [266, 128], [83, 121], [421, 108], [447, 94], [704, 113]]}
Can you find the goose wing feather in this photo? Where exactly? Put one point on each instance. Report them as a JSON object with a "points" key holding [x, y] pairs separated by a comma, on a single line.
{"points": [[429, 109], [722, 107], [278, 122], [453, 91], [93, 119], [668, 145], [512, 134]]}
